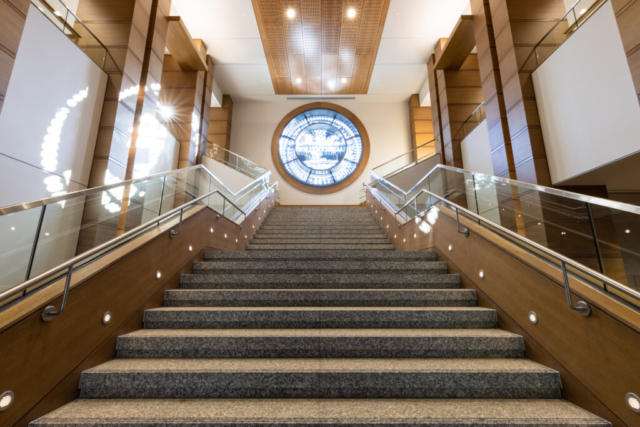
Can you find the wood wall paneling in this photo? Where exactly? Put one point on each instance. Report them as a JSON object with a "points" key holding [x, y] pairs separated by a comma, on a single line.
{"points": [[183, 92], [206, 108], [13, 15], [592, 354], [434, 93], [320, 50], [220, 119], [41, 362], [422, 132], [188, 53], [628, 15], [517, 27]]}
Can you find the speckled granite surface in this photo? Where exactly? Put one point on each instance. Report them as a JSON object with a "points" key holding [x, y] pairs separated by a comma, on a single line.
{"points": [[324, 297], [321, 413], [319, 317], [321, 306], [395, 343], [320, 378]]}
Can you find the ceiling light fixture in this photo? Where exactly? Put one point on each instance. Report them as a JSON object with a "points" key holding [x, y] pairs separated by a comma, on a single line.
{"points": [[344, 80], [166, 112], [351, 13], [298, 80], [291, 13]]}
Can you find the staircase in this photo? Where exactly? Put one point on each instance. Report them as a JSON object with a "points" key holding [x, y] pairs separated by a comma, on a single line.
{"points": [[320, 322]]}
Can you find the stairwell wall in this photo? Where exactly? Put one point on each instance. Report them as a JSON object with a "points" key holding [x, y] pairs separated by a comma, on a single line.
{"points": [[255, 119]]}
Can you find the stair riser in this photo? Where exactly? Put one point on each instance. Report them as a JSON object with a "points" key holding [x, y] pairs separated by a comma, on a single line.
{"points": [[470, 385], [314, 347], [320, 281], [320, 256], [331, 230], [372, 266], [310, 270], [325, 319], [322, 247], [324, 298], [316, 236], [332, 241]]}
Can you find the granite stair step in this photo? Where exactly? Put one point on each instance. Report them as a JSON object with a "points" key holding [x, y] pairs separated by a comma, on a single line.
{"points": [[319, 317], [319, 256], [307, 237], [320, 412], [320, 378], [379, 280], [324, 266], [319, 222], [321, 343], [317, 228], [320, 298], [322, 247], [318, 240]]}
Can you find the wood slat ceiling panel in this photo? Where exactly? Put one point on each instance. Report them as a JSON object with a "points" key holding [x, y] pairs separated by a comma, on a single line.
{"points": [[321, 50]]}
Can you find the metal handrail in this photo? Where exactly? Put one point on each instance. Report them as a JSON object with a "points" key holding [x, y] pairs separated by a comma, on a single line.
{"points": [[50, 311], [553, 254], [404, 154]]}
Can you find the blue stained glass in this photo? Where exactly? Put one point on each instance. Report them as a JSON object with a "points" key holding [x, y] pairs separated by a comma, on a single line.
{"points": [[320, 147]]}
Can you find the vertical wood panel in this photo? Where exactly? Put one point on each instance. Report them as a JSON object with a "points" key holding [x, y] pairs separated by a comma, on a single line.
{"points": [[421, 121], [12, 19], [628, 17], [220, 123]]}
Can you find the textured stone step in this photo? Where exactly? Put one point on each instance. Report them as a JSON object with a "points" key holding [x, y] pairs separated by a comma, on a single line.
{"points": [[320, 281], [307, 237], [323, 343], [319, 317], [320, 298], [320, 378], [311, 267], [318, 240], [312, 255], [322, 247], [319, 229], [320, 412]]}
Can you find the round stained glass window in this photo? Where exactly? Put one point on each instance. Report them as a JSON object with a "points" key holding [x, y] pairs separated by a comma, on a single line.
{"points": [[320, 148]]}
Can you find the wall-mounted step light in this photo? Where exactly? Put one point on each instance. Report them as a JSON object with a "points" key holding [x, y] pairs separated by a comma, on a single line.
{"points": [[533, 317], [481, 274], [6, 399], [632, 400], [106, 318], [158, 275]]}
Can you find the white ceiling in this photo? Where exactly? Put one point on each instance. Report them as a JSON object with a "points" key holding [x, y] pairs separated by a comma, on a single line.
{"points": [[230, 31]]}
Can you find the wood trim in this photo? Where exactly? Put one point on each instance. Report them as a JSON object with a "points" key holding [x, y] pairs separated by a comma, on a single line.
{"points": [[41, 362], [592, 354], [183, 48], [366, 148], [459, 45]]}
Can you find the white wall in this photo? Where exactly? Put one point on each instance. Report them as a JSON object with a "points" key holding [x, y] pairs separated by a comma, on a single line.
{"points": [[586, 99], [255, 120], [231, 178], [476, 150], [50, 118], [48, 130]]}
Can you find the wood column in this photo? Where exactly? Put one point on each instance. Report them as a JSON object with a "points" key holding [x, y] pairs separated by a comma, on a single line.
{"points": [[421, 127], [205, 116], [220, 123], [148, 95], [13, 15], [435, 105], [460, 94], [628, 16], [122, 26], [182, 91], [518, 25], [496, 112]]}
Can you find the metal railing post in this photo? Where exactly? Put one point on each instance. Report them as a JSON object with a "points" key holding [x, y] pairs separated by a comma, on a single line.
{"points": [[582, 307], [173, 233]]}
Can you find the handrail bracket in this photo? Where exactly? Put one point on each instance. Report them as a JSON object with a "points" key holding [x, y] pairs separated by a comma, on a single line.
{"points": [[581, 307]]}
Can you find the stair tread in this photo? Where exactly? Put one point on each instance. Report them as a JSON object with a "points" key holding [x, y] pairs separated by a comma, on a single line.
{"points": [[209, 309], [348, 412], [319, 365], [326, 333], [312, 255]]}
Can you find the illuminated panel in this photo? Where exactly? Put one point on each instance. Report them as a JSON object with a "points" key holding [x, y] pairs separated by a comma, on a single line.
{"points": [[320, 148]]}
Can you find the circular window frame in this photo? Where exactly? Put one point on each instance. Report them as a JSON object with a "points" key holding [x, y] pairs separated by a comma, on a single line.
{"points": [[364, 160]]}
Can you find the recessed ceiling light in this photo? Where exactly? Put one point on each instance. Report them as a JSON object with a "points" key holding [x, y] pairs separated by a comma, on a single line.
{"points": [[627, 231], [351, 13], [298, 80], [291, 13], [344, 80]]}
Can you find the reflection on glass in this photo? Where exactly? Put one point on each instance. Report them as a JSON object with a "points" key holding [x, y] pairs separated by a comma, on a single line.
{"points": [[320, 148]]}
